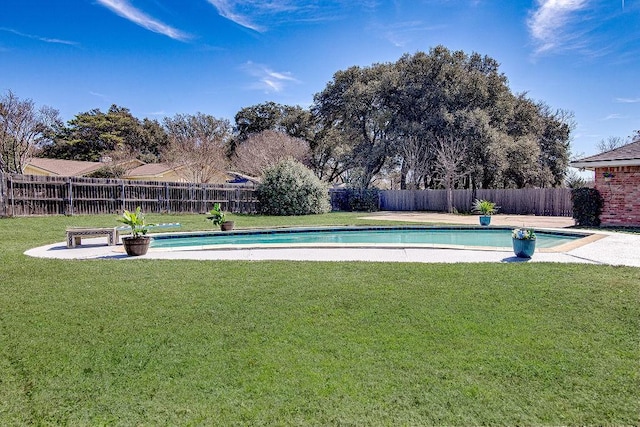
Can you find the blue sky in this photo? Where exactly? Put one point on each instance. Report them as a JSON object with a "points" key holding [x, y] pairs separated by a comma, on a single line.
{"points": [[163, 57]]}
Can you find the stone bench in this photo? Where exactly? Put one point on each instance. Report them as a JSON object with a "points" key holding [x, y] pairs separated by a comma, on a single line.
{"points": [[75, 235]]}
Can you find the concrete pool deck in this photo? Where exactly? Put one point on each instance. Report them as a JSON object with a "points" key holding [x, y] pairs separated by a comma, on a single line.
{"points": [[610, 249]]}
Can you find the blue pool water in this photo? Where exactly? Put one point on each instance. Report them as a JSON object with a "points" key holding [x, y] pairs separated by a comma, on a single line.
{"points": [[473, 236]]}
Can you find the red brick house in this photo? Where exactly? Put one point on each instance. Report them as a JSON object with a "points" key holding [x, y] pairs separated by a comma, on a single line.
{"points": [[617, 178]]}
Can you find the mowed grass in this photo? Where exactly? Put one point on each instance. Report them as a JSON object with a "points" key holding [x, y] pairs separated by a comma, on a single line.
{"points": [[149, 342]]}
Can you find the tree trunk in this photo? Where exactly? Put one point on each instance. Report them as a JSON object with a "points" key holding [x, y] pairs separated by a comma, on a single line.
{"points": [[403, 176], [449, 181]]}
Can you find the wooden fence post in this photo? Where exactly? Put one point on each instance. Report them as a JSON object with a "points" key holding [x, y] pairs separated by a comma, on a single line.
{"points": [[13, 196], [69, 197], [124, 196], [203, 203], [3, 194], [167, 203]]}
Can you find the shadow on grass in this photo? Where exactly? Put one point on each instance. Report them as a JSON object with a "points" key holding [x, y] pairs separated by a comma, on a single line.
{"points": [[116, 256], [515, 259]]}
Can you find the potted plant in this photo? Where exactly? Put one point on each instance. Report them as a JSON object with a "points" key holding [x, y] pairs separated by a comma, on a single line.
{"points": [[217, 216], [524, 242], [138, 243], [485, 208]]}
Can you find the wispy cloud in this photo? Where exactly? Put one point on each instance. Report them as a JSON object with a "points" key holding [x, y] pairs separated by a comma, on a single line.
{"points": [[39, 38], [403, 33], [228, 9], [552, 24], [258, 15], [267, 79], [124, 9], [99, 95], [628, 100], [615, 117]]}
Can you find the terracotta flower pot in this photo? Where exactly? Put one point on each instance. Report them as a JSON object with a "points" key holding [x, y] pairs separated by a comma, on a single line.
{"points": [[227, 226], [136, 246]]}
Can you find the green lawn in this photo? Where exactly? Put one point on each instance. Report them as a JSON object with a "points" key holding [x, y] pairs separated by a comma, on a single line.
{"points": [[148, 342]]}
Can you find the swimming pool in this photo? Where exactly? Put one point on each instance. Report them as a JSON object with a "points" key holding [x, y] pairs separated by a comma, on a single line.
{"points": [[407, 236]]}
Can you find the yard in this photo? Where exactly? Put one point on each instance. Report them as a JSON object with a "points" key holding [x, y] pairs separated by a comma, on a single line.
{"points": [[306, 343]]}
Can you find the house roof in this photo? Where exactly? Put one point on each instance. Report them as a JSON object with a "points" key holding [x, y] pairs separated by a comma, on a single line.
{"points": [[64, 167], [240, 178], [136, 169], [150, 170], [627, 155]]}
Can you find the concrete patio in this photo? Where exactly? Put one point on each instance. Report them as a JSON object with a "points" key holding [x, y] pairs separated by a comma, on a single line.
{"points": [[611, 249]]}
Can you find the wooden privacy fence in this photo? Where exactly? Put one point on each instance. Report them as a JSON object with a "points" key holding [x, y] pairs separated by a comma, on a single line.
{"points": [[24, 195], [527, 201]]}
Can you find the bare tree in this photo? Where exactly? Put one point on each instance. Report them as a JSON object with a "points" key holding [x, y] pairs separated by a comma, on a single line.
{"points": [[574, 180], [611, 143], [451, 164], [417, 157], [197, 147], [267, 148], [22, 128]]}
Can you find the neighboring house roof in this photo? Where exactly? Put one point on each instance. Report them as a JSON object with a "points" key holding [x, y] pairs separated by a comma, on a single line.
{"points": [[136, 170], [150, 170], [126, 164], [239, 178], [627, 155], [61, 167]]}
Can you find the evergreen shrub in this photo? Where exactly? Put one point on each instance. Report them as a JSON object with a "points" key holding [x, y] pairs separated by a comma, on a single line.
{"points": [[290, 188], [357, 199], [587, 206]]}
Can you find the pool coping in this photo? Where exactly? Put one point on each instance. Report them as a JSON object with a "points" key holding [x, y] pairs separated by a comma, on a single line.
{"points": [[609, 248]]}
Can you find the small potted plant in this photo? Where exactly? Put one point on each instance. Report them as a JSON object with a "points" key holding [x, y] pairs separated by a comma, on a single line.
{"points": [[217, 216], [524, 242], [485, 208], [138, 243]]}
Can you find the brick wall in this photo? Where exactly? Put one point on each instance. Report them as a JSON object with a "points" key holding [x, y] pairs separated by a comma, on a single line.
{"points": [[621, 193]]}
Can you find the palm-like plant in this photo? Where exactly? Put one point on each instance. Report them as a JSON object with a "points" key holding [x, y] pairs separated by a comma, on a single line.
{"points": [[484, 207], [136, 221], [216, 215]]}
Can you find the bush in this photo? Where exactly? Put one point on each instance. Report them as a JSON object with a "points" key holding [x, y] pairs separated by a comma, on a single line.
{"points": [[290, 188], [587, 206], [108, 172], [357, 200]]}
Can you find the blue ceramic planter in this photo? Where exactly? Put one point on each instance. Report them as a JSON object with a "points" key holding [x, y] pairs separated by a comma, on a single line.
{"points": [[524, 248], [485, 220]]}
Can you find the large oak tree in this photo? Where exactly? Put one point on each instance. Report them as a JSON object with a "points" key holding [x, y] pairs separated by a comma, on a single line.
{"points": [[392, 116]]}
